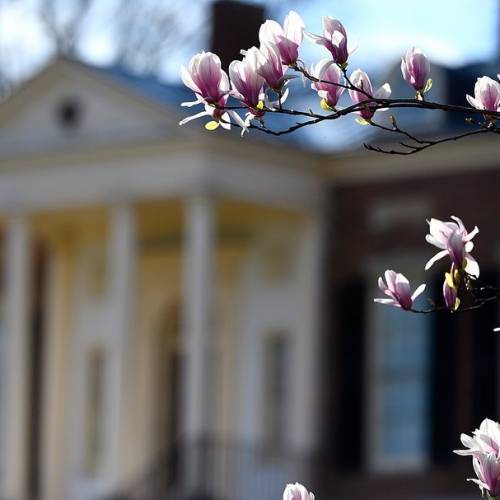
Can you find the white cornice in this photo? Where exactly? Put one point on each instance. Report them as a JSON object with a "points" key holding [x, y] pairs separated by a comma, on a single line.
{"points": [[45, 185]]}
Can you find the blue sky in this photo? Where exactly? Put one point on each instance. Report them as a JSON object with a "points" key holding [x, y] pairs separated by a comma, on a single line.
{"points": [[450, 32]]}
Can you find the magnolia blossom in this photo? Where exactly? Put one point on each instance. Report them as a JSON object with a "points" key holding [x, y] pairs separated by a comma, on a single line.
{"points": [[270, 67], [328, 71], [360, 80], [205, 78], [487, 469], [334, 39], [287, 39], [297, 492], [246, 82], [484, 447], [455, 241], [486, 94], [397, 287], [484, 440], [416, 68]]}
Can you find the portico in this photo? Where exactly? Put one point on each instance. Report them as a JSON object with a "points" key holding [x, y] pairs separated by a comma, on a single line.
{"points": [[149, 273], [97, 223]]}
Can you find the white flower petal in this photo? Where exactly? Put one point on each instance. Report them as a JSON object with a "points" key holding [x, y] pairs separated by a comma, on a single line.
{"points": [[382, 286], [383, 92], [237, 118], [190, 104], [436, 257], [294, 27], [435, 242], [193, 117], [390, 302], [472, 267], [474, 102], [472, 234], [418, 291]]}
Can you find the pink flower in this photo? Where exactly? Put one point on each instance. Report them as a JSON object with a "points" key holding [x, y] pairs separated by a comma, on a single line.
{"points": [[398, 289], [415, 68], [484, 447], [484, 440], [487, 469], [287, 39], [205, 78], [246, 82], [361, 81], [486, 94], [455, 241], [270, 67], [297, 492], [328, 71], [334, 39]]}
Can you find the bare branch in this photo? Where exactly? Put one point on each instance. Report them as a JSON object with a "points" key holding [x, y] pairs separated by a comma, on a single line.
{"points": [[412, 144]]}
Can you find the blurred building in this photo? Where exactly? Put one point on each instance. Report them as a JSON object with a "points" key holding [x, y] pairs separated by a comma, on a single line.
{"points": [[161, 295], [190, 315]]}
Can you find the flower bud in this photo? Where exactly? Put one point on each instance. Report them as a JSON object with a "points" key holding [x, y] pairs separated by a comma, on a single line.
{"points": [[416, 68], [334, 39]]}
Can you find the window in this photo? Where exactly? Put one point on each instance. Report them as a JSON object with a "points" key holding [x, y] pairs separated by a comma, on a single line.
{"points": [[398, 358], [69, 113], [274, 404]]}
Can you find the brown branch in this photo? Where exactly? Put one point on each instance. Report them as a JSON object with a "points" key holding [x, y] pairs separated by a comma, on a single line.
{"points": [[478, 300], [421, 144], [415, 143]]}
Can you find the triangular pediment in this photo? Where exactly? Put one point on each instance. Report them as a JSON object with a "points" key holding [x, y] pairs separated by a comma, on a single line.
{"points": [[69, 104]]}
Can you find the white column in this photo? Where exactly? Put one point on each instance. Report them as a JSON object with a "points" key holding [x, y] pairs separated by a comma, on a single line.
{"points": [[15, 360], [121, 275], [57, 362], [307, 353], [197, 335]]}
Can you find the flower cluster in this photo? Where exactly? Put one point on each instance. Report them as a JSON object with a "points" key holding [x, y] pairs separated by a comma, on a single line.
{"points": [[260, 82], [453, 241], [484, 448]]}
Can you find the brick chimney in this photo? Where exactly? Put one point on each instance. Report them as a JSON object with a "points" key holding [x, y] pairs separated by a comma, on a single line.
{"points": [[235, 26]]}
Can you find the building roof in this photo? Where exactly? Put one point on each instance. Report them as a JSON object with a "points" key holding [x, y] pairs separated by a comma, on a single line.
{"points": [[170, 95]]}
